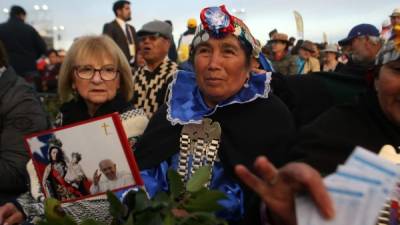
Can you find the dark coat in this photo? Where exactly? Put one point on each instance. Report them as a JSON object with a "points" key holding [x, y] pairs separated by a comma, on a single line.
{"points": [[330, 139], [114, 30], [261, 127], [20, 114], [23, 44]]}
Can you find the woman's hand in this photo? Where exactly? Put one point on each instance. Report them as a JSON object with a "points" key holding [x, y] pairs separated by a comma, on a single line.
{"points": [[9, 214], [277, 188]]}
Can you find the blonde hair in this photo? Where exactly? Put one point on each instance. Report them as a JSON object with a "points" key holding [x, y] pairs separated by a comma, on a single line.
{"points": [[97, 47]]}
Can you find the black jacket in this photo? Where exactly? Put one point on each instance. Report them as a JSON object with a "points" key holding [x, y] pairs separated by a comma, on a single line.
{"points": [[20, 114], [261, 127], [114, 30], [330, 139], [23, 44]]}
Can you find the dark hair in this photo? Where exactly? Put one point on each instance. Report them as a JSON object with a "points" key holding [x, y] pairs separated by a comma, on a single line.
{"points": [[59, 156], [3, 55], [169, 22], [17, 10], [119, 5], [77, 155], [52, 50]]}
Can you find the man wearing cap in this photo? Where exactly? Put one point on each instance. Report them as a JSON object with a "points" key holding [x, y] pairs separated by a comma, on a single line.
{"points": [[121, 32], [364, 43], [185, 40], [282, 61], [306, 62], [151, 81]]}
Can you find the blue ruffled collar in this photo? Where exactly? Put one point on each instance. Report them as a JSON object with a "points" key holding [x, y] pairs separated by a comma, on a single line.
{"points": [[186, 104]]}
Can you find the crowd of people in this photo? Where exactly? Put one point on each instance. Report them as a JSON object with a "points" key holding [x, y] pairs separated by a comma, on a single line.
{"points": [[269, 120]]}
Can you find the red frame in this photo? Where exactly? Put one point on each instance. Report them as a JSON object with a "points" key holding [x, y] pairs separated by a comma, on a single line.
{"points": [[123, 140]]}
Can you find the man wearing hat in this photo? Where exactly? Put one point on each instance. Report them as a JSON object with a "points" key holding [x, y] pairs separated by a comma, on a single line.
{"points": [[395, 17], [282, 61], [364, 43], [306, 62], [329, 59], [185, 40], [121, 32], [151, 81]]}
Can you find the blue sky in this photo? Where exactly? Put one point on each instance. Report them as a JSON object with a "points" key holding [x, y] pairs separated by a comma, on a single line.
{"points": [[335, 17]]}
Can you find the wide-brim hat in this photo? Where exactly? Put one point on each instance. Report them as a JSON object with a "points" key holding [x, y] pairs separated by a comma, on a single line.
{"points": [[308, 45], [396, 12], [331, 48]]}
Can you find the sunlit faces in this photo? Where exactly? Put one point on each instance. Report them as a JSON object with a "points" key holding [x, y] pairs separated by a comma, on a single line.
{"points": [[96, 91], [154, 48], [388, 88], [221, 68]]}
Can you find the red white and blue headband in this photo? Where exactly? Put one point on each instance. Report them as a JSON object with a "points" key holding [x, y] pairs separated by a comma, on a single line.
{"points": [[217, 23]]}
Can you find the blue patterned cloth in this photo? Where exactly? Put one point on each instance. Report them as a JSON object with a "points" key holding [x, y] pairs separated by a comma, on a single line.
{"points": [[186, 104]]}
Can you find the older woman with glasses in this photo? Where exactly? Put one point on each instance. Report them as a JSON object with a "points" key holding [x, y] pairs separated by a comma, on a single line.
{"points": [[95, 79]]}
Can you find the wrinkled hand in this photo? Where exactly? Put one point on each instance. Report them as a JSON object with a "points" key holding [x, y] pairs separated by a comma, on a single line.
{"points": [[96, 177], [9, 214], [277, 188]]}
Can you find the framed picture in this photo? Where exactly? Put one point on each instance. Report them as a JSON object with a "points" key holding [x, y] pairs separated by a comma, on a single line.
{"points": [[84, 159]]}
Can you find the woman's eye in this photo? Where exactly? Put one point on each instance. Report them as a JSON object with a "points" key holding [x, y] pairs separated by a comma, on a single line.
{"points": [[203, 50]]}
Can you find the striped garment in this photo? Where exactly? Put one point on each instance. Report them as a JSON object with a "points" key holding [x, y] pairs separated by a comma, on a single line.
{"points": [[150, 88]]}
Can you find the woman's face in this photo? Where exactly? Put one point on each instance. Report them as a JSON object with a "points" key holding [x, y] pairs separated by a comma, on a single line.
{"points": [[329, 57], [221, 69], [53, 154], [388, 88], [278, 46], [96, 91]]}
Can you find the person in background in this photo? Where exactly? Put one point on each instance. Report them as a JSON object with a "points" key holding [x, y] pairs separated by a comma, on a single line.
{"points": [[363, 44], [23, 44], [329, 59], [152, 80], [172, 53], [305, 61], [185, 40], [49, 76], [121, 32], [283, 62], [21, 113]]}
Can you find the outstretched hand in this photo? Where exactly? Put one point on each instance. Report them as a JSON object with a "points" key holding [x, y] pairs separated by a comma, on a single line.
{"points": [[277, 188]]}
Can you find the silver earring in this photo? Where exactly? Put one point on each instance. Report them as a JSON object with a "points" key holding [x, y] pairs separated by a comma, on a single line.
{"points": [[246, 84]]}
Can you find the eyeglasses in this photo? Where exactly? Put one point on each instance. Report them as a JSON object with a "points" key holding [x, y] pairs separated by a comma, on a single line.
{"points": [[87, 72]]}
